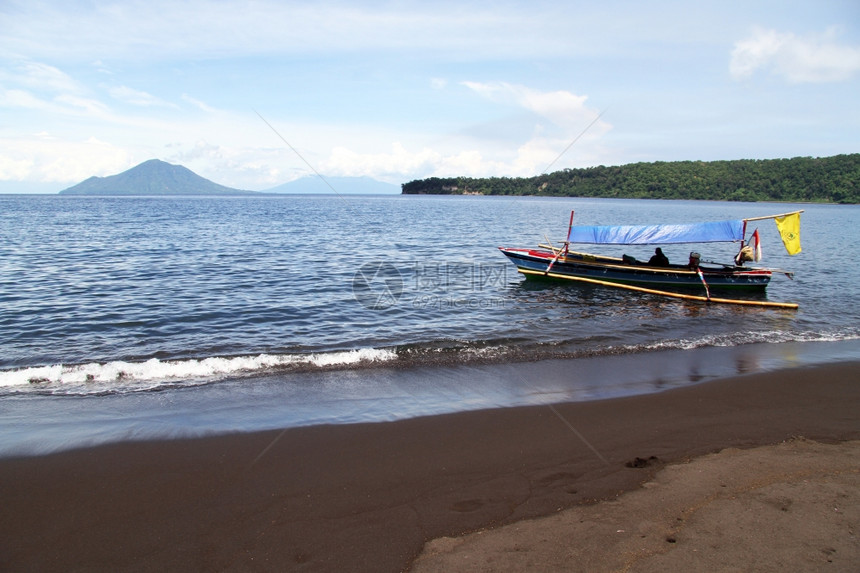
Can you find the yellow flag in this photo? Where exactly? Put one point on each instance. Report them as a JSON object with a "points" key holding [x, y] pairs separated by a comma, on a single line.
{"points": [[789, 230]]}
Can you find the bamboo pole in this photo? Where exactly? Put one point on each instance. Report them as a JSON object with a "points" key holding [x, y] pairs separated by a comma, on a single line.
{"points": [[789, 305], [773, 216], [702, 277]]}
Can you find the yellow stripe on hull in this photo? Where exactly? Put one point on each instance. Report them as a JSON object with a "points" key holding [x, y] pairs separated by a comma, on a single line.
{"points": [[698, 298]]}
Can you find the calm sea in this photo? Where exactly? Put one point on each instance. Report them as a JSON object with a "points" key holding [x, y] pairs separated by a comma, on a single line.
{"points": [[127, 317]]}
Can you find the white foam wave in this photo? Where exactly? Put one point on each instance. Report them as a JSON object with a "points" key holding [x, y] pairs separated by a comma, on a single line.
{"points": [[750, 337], [155, 370], [351, 357]]}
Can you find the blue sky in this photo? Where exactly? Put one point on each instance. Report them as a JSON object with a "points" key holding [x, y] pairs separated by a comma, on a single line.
{"points": [[403, 90]]}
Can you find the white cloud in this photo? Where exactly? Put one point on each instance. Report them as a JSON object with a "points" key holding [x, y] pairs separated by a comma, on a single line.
{"points": [[38, 76], [198, 104], [15, 168], [557, 117], [45, 88], [63, 104], [47, 159], [798, 59], [21, 99], [561, 108], [160, 30], [561, 116], [400, 163], [239, 167], [137, 97], [88, 106], [345, 162], [32, 85]]}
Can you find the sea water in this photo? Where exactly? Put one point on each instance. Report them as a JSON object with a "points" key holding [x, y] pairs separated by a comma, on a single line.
{"points": [[136, 317]]}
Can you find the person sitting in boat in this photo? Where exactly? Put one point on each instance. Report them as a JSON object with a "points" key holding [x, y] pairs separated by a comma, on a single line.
{"points": [[694, 261], [659, 259], [746, 254]]}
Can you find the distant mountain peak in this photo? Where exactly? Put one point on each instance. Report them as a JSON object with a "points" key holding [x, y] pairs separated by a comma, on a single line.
{"points": [[152, 177]]}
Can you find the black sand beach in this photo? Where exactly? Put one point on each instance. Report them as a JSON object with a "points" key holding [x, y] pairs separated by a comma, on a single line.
{"points": [[367, 497]]}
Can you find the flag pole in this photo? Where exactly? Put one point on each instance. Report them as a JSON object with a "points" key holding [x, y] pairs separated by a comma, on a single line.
{"points": [[772, 216]]}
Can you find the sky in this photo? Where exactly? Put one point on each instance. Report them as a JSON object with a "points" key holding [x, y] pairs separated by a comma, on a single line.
{"points": [[256, 93]]}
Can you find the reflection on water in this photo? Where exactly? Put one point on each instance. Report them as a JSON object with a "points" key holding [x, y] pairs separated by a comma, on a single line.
{"points": [[746, 363]]}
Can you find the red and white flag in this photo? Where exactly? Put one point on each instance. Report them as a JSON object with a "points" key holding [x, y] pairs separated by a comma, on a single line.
{"points": [[756, 243]]}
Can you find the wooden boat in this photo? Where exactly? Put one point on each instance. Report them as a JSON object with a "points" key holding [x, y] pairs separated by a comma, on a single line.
{"points": [[548, 261]]}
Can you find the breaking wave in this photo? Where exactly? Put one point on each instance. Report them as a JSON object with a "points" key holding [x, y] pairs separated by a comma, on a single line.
{"points": [[125, 376], [157, 374]]}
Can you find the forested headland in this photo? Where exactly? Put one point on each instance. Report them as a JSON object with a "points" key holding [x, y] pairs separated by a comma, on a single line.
{"points": [[800, 179]]}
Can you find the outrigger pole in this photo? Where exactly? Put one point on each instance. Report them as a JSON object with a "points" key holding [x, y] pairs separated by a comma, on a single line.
{"points": [[789, 305]]}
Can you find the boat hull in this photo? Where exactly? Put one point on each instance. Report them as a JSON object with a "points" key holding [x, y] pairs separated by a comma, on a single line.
{"points": [[538, 262]]}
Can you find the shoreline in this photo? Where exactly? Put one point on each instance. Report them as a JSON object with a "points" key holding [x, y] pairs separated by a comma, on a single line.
{"points": [[366, 497], [42, 424]]}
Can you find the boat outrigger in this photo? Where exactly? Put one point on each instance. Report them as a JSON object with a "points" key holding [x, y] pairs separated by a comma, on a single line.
{"points": [[656, 275]]}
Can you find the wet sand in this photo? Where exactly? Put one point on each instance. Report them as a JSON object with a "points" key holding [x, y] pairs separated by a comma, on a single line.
{"points": [[367, 497]]}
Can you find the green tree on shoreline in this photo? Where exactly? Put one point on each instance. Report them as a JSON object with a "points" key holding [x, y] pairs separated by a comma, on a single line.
{"points": [[801, 179]]}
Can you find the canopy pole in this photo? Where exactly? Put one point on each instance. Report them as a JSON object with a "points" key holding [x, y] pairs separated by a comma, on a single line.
{"points": [[788, 305], [569, 226], [737, 259]]}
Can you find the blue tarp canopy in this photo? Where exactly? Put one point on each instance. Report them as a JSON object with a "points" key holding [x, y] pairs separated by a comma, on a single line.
{"points": [[711, 232]]}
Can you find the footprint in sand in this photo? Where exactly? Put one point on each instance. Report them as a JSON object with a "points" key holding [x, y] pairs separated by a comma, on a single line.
{"points": [[557, 477], [467, 505], [643, 462]]}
